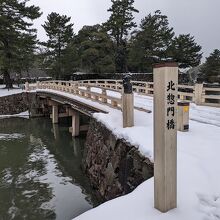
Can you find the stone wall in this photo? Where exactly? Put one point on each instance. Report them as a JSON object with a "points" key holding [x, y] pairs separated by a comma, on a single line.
{"points": [[21, 102], [13, 104], [113, 166]]}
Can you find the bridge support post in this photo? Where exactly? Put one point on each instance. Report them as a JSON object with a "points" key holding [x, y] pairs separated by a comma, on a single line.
{"points": [[55, 114], [56, 131], [165, 136], [127, 103], [75, 123]]}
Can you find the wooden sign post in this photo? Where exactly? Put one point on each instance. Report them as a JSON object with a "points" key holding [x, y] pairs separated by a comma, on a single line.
{"points": [[165, 136]]}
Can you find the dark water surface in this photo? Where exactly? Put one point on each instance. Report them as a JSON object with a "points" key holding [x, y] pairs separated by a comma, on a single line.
{"points": [[40, 171]]}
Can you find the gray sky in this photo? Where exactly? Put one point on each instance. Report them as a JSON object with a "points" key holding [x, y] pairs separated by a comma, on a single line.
{"points": [[200, 18]]}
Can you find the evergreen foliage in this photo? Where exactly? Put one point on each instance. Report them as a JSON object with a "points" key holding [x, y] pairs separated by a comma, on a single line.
{"points": [[118, 25], [211, 69], [95, 50], [112, 47], [150, 43], [60, 33], [17, 36], [185, 51]]}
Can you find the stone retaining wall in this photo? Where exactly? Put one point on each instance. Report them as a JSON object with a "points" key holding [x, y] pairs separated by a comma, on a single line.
{"points": [[21, 102], [113, 166], [13, 104]]}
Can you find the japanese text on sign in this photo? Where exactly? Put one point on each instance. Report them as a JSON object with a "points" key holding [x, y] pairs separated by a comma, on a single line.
{"points": [[170, 124]]}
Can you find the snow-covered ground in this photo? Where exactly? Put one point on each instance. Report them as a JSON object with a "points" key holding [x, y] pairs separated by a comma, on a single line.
{"points": [[198, 181], [20, 115], [5, 92], [198, 165]]}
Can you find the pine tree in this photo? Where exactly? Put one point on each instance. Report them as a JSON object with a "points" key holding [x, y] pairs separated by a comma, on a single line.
{"points": [[17, 36], [119, 24], [186, 51], [211, 68], [150, 43], [70, 59], [60, 34], [95, 50]]}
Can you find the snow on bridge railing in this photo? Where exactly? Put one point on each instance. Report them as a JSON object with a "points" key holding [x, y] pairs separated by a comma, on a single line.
{"points": [[74, 88], [199, 93]]}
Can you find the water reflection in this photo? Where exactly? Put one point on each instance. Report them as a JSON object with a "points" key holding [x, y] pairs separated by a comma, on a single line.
{"points": [[40, 171]]}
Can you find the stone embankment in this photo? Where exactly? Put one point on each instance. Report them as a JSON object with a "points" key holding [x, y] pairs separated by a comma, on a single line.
{"points": [[21, 102], [114, 166], [13, 104]]}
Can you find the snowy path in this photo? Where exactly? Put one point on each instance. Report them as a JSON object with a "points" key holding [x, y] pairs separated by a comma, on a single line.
{"points": [[198, 167], [198, 183], [5, 92], [203, 114]]}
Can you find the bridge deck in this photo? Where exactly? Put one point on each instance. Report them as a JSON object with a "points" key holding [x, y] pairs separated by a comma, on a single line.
{"points": [[75, 104]]}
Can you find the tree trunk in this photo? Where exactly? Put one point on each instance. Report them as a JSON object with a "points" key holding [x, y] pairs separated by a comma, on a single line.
{"points": [[7, 79]]}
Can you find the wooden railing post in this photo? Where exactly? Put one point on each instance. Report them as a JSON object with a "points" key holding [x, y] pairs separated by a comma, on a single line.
{"points": [[198, 92], [104, 99], [165, 136], [127, 103], [146, 88], [38, 85], [88, 88], [27, 87]]}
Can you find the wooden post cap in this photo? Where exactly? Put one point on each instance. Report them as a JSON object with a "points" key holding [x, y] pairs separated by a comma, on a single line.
{"points": [[165, 64]]}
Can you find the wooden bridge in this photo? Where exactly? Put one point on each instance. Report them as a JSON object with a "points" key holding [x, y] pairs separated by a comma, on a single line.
{"points": [[199, 94], [91, 96]]}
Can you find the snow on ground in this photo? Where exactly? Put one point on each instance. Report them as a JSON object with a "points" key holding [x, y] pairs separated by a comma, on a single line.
{"points": [[6, 92], [198, 183], [198, 166], [20, 115]]}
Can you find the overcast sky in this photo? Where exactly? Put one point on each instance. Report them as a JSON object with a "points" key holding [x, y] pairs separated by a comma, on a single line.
{"points": [[200, 18]]}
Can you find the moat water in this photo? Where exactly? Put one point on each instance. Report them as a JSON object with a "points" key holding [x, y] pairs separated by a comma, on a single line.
{"points": [[41, 173]]}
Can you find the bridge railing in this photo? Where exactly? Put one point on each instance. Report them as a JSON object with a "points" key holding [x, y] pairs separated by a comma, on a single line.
{"points": [[200, 94], [145, 88], [81, 91]]}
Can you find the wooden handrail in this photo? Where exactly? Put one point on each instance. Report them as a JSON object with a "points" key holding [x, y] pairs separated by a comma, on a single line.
{"points": [[198, 94], [73, 88]]}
